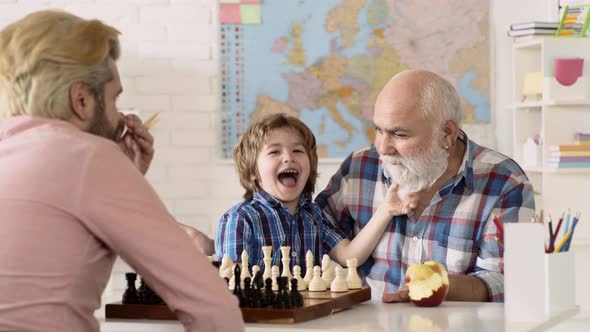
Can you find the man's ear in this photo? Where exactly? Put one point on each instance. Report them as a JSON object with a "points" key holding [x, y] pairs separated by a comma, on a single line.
{"points": [[81, 101], [451, 132]]}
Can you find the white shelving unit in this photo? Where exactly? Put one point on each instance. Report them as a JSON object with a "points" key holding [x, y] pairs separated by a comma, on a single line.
{"points": [[554, 118]]}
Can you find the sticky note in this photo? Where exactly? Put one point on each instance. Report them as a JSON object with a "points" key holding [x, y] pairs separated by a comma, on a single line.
{"points": [[250, 14], [229, 13], [229, 1], [250, 1]]}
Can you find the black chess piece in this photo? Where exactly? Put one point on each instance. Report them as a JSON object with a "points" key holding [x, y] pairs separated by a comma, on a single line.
{"points": [[247, 293], [282, 300], [269, 295], [141, 292], [256, 292], [296, 297], [130, 294], [237, 287]]}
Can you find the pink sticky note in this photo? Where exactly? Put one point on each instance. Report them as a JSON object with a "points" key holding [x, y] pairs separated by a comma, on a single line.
{"points": [[229, 13]]}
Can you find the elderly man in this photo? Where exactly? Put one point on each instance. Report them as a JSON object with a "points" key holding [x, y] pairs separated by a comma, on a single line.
{"points": [[71, 200], [419, 145]]}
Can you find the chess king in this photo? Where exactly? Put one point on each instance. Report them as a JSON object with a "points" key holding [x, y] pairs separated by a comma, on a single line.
{"points": [[276, 160]]}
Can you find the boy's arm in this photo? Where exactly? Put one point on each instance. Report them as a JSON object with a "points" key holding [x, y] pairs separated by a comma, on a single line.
{"points": [[363, 244]]}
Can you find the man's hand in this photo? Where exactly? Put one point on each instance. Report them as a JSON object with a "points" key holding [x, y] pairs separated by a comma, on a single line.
{"points": [[202, 242], [402, 295], [394, 206], [137, 143]]}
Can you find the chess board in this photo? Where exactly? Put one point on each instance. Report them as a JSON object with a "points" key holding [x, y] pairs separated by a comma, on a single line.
{"points": [[315, 305]]}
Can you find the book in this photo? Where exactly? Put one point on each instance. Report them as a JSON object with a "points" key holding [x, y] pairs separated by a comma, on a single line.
{"points": [[526, 32], [561, 159], [574, 21], [534, 25], [558, 154], [568, 165], [562, 148]]}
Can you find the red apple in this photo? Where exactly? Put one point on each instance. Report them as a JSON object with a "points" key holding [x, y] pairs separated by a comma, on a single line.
{"points": [[428, 283]]}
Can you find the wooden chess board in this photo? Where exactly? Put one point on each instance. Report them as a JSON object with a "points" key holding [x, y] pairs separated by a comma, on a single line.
{"points": [[315, 305]]}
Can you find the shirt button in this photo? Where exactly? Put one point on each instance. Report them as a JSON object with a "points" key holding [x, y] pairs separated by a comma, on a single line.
{"points": [[294, 254], [415, 238]]}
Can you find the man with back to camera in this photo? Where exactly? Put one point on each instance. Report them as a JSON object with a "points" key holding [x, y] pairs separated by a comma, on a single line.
{"points": [[71, 200], [419, 145]]}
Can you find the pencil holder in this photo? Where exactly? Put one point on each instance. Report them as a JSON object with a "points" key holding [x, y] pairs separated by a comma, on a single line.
{"points": [[537, 285]]}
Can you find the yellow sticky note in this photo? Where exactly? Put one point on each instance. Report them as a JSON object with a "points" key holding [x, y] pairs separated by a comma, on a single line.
{"points": [[250, 13], [533, 83]]}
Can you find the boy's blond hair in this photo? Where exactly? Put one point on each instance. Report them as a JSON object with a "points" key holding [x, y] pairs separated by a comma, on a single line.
{"points": [[41, 56], [251, 142]]}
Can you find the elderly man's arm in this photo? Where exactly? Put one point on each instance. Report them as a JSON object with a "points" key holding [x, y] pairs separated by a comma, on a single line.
{"points": [[202, 242], [516, 204]]}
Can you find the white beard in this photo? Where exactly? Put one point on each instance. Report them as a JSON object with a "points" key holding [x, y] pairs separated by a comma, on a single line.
{"points": [[417, 172]]}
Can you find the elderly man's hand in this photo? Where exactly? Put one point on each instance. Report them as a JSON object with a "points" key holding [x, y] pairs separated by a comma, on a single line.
{"points": [[202, 242], [137, 143], [394, 205], [402, 295]]}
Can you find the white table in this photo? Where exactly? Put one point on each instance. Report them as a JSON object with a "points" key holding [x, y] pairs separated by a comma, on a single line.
{"points": [[372, 316]]}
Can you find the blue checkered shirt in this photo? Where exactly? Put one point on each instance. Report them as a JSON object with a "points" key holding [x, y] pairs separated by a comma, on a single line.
{"points": [[455, 229], [265, 221]]}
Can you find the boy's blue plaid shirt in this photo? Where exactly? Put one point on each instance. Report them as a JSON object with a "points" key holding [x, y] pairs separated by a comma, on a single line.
{"points": [[265, 221]]}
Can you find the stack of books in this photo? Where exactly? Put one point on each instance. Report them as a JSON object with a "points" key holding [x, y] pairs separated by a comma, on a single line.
{"points": [[533, 28], [582, 139], [568, 156]]}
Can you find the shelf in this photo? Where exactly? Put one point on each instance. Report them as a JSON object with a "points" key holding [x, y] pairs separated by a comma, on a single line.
{"points": [[555, 170], [532, 44], [550, 103]]}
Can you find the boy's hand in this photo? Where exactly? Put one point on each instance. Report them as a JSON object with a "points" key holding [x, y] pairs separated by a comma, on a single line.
{"points": [[394, 206]]}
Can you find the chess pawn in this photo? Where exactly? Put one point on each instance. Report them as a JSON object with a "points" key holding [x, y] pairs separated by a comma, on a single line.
{"points": [[141, 296], [301, 284], [245, 268], [285, 250], [226, 267], [339, 283], [327, 270], [255, 270], [353, 280], [274, 276], [296, 297], [317, 283], [308, 267], [130, 295], [267, 259]]}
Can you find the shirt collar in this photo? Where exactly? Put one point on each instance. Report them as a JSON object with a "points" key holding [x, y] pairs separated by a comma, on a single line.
{"points": [[265, 198]]}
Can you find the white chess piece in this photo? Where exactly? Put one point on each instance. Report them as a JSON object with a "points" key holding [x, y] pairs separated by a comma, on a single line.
{"points": [[267, 251], [274, 275], [226, 268], [339, 283], [353, 279], [255, 270], [317, 284], [308, 267], [245, 268], [232, 280], [301, 284], [285, 251], [327, 270]]}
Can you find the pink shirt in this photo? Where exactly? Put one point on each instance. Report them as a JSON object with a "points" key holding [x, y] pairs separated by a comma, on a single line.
{"points": [[69, 203]]}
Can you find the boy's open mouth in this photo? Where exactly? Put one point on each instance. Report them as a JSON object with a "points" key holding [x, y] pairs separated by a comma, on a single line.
{"points": [[288, 178]]}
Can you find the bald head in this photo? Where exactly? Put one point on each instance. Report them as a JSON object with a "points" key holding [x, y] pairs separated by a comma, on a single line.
{"points": [[425, 92]]}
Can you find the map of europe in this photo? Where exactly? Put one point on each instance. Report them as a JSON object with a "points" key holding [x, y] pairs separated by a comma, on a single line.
{"points": [[326, 61]]}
